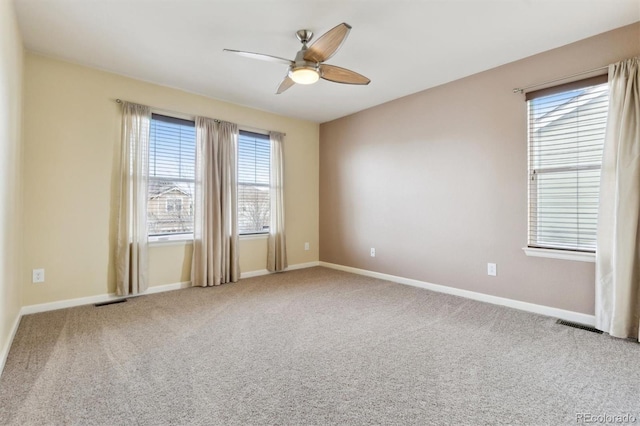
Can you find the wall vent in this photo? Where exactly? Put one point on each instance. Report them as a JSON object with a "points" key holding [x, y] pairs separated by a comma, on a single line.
{"points": [[577, 325], [111, 302]]}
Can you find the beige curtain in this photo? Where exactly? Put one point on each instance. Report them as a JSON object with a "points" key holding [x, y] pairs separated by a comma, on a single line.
{"points": [[618, 244], [277, 249], [131, 250], [215, 245]]}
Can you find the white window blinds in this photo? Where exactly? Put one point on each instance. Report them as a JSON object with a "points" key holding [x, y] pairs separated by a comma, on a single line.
{"points": [[172, 150], [566, 135], [253, 183]]}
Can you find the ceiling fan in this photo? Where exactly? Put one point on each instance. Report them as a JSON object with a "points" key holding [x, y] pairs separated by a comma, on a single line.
{"points": [[309, 65]]}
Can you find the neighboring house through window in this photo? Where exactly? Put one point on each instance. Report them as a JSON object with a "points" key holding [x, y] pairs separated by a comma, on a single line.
{"points": [[172, 150], [254, 206], [566, 136]]}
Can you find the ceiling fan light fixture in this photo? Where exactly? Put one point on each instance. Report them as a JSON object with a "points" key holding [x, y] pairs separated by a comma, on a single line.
{"points": [[304, 75], [309, 64]]}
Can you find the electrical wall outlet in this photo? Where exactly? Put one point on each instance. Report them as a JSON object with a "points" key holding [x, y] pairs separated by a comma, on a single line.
{"points": [[306, 246], [373, 252], [38, 276], [492, 269]]}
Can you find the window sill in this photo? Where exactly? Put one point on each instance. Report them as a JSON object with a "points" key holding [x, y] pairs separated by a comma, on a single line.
{"points": [[262, 236], [174, 240], [560, 254], [178, 241]]}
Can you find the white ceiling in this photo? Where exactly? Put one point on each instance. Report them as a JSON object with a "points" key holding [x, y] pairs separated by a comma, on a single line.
{"points": [[403, 46]]}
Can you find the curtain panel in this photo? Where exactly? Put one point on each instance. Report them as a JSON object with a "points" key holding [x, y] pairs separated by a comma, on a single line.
{"points": [[215, 245], [618, 241], [277, 249], [132, 244]]}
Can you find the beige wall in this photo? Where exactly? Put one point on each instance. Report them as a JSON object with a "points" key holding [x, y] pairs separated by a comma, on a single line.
{"points": [[71, 135], [11, 58], [437, 182]]}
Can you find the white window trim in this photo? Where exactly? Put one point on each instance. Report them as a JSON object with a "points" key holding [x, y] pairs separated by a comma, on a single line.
{"points": [[184, 239], [579, 256], [556, 252], [242, 128], [173, 114], [175, 239], [256, 236]]}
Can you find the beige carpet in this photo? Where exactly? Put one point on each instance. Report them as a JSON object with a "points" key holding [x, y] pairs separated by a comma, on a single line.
{"points": [[311, 347]]}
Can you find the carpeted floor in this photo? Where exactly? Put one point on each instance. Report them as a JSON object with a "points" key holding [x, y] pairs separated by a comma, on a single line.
{"points": [[312, 347]]}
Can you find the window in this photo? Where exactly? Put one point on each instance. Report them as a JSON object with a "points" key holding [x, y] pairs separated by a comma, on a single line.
{"points": [[174, 205], [172, 153], [254, 151], [566, 137]]}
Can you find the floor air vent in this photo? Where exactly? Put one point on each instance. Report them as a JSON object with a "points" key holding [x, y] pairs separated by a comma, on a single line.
{"points": [[111, 302], [580, 326]]}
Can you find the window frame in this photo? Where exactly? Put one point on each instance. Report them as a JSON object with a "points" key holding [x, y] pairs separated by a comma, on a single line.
{"points": [[174, 238], [265, 136], [538, 250]]}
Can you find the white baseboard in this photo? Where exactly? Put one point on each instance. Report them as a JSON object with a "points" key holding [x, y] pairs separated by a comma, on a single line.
{"points": [[303, 265], [252, 274], [101, 298], [5, 350], [502, 301], [261, 272], [166, 287]]}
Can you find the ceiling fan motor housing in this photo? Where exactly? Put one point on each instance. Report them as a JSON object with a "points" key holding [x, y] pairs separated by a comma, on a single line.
{"points": [[300, 62], [300, 67]]}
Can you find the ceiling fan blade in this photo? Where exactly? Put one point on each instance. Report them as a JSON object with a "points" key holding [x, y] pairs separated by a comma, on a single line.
{"points": [[260, 56], [342, 75], [328, 44], [286, 83]]}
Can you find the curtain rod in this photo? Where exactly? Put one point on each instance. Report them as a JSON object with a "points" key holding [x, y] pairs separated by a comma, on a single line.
{"points": [[249, 128], [522, 89]]}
